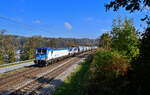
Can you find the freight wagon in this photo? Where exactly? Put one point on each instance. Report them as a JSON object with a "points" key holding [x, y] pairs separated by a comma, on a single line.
{"points": [[45, 56]]}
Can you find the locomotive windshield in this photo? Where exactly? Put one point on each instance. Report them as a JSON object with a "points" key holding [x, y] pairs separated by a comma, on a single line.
{"points": [[41, 51], [70, 49], [75, 49]]}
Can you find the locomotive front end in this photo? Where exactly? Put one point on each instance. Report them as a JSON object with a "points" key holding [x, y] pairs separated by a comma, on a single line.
{"points": [[41, 56]]}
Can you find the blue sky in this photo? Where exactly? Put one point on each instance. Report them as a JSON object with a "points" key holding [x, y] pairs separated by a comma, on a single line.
{"points": [[60, 18]]}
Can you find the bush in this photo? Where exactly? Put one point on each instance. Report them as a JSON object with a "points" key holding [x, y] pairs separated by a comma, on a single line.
{"points": [[106, 72], [110, 64], [100, 74], [139, 76]]}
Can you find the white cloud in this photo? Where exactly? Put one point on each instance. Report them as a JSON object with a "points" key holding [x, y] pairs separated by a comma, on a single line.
{"points": [[68, 25], [36, 22]]}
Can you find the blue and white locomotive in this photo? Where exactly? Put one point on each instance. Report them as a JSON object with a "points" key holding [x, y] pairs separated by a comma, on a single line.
{"points": [[45, 56]]}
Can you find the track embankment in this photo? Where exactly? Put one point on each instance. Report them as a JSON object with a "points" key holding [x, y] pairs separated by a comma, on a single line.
{"points": [[33, 79]]}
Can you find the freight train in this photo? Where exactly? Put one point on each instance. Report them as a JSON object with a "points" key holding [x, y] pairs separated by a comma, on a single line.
{"points": [[45, 56]]}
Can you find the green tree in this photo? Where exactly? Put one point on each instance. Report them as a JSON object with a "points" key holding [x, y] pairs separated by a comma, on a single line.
{"points": [[129, 5], [2, 48], [138, 77], [9, 48], [125, 38], [24, 55], [11, 56], [1, 58], [105, 41], [30, 46]]}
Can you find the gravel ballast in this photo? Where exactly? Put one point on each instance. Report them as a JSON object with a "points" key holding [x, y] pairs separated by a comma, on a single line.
{"points": [[54, 84]]}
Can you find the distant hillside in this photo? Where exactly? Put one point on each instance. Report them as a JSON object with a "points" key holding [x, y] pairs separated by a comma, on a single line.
{"points": [[10, 44], [55, 42]]}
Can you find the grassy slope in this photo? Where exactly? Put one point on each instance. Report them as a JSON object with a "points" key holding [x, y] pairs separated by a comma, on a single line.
{"points": [[74, 84], [95, 77], [15, 64]]}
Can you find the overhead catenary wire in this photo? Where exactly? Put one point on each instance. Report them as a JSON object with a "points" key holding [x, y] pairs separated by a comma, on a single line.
{"points": [[27, 26], [32, 29]]}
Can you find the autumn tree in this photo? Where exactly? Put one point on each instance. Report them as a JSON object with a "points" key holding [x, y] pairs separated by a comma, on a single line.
{"points": [[7, 47], [1, 45], [138, 77], [105, 41], [53, 43], [11, 56], [125, 37], [30, 46], [71, 44]]}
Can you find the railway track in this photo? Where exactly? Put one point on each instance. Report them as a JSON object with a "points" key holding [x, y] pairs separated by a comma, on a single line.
{"points": [[33, 87], [34, 80], [19, 77]]}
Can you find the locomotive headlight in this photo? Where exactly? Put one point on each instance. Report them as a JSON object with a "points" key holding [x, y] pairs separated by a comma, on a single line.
{"points": [[37, 58]]}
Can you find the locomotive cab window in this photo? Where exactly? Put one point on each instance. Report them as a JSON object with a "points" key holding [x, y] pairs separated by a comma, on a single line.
{"points": [[41, 51]]}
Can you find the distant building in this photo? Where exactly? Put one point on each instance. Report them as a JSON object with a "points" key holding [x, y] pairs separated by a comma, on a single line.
{"points": [[17, 54]]}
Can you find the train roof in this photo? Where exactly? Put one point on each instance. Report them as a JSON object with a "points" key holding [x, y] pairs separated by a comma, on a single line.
{"points": [[45, 48], [52, 49]]}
